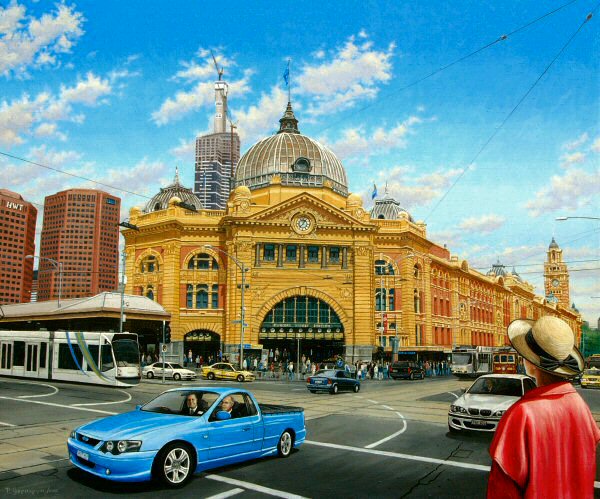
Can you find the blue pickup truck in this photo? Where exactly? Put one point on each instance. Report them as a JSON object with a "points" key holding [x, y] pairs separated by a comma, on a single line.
{"points": [[183, 431]]}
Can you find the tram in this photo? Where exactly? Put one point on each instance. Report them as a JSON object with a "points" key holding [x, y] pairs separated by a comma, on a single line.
{"points": [[99, 358], [505, 361], [471, 361]]}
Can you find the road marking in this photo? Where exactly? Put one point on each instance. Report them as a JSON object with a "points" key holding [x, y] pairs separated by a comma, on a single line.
{"points": [[7, 424], [452, 393], [397, 455], [107, 403], [372, 401], [393, 435], [298, 389], [253, 486], [35, 384], [229, 493], [60, 405]]}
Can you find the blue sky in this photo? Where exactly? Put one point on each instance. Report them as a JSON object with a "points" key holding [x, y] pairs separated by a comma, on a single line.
{"points": [[117, 92]]}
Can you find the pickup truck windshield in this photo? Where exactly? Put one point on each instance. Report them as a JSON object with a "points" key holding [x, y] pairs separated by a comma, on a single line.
{"points": [[174, 402]]}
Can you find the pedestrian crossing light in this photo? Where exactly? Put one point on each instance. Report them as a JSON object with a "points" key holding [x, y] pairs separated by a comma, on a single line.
{"points": [[167, 333]]}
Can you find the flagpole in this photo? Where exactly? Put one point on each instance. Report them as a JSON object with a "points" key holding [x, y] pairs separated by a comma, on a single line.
{"points": [[289, 82]]}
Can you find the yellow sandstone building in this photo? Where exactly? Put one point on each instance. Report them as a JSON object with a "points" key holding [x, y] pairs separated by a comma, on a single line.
{"points": [[319, 271]]}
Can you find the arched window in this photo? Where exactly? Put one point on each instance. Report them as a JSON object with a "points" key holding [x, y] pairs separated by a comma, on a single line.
{"points": [[157, 207], [149, 264], [203, 261], [417, 302], [416, 271], [150, 292], [382, 267]]}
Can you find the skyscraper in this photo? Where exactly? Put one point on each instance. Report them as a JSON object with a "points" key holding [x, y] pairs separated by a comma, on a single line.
{"points": [[17, 240], [80, 232], [217, 155]]}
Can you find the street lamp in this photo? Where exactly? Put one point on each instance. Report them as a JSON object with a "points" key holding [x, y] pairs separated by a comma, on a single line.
{"points": [[131, 226], [243, 324], [57, 265], [562, 219]]}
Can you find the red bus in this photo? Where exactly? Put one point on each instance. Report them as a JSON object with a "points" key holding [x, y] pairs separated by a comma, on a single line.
{"points": [[505, 361]]}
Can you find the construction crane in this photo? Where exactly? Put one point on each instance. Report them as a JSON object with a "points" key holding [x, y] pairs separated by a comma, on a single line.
{"points": [[219, 70]]}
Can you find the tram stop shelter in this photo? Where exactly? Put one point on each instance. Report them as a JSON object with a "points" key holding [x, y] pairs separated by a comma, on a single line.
{"points": [[101, 312]]}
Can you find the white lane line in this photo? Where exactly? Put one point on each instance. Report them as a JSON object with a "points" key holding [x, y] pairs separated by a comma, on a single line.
{"points": [[387, 407], [393, 435], [7, 424], [34, 383], [60, 405], [107, 403], [229, 493], [397, 455], [372, 401], [253, 486], [452, 393]]}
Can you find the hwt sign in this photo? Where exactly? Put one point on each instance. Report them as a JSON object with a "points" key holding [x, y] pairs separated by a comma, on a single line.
{"points": [[14, 206]]}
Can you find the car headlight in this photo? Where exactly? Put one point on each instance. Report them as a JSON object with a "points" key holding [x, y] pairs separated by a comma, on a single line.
{"points": [[73, 435], [120, 446], [458, 408], [499, 414]]}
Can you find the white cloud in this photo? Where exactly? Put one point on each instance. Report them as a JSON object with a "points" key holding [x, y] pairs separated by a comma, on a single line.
{"points": [[87, 91], [484, 224], [575, 189], [187, 148], [352, 73], [596, 145], [354, 141], [28, 42], [570, 159], [205, 68], [578, 142], [203, 94], [258, 121], [52, 157], [18, 117]]}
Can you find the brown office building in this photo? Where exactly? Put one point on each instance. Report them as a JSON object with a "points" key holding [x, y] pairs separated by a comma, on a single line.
{"points": [[80, 233], [17, 239]]}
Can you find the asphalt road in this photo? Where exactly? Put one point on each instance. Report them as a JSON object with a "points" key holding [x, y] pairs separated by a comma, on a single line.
{"points": [[390, 440]]}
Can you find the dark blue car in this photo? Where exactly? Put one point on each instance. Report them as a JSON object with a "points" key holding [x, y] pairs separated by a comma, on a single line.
{"points": [[332, 381], [168, 440]]}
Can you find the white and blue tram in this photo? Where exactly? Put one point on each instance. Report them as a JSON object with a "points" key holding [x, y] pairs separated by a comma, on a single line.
{"points": [[82, 357]]}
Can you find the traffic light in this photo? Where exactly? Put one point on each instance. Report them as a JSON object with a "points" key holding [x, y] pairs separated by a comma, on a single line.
{"points": [[167, 333]]}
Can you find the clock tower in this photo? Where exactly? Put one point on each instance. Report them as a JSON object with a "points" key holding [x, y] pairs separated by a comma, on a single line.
{"points": [[556, 276]]}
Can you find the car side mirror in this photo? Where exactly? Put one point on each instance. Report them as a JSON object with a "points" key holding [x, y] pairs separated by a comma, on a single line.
{"points": [[138, 407], [222, 415]]}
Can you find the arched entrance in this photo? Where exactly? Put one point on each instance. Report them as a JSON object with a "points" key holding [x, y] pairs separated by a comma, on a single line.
{"points": [[203, 343], [302, 325]]}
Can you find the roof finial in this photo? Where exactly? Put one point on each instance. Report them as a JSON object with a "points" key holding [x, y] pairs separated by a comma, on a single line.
{"points": [[176, 181], [288, 122], [386, 189]]}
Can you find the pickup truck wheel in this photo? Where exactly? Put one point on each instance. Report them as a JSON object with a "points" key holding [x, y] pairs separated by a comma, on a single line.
{"points": [[240, 378], [285, 445], [176, 376], [150, 375], [411, 377], [334, 389], [175, 465], [210, 375], [356, 388]]}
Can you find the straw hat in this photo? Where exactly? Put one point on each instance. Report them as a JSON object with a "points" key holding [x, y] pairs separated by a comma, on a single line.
{"points": [[548, 343]]}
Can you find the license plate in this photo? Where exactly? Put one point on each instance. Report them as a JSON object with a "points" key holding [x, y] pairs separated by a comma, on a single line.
{"points": [[476, 422], [83, 455], [318, 381]]}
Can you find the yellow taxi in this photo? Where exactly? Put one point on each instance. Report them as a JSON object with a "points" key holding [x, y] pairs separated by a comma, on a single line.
{"points": [[222, 370], [591, 378]]}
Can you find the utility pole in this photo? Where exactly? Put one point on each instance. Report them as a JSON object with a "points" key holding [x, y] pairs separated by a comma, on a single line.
{"points": [[122, 292], [163, 350]]}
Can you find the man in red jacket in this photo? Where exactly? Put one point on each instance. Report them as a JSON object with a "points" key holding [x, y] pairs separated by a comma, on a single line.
{"points": [[545, 444]]}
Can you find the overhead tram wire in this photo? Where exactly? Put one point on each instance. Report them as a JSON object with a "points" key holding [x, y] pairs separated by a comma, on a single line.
{"points": [[513, 110], [12, 156], [450, 64]]}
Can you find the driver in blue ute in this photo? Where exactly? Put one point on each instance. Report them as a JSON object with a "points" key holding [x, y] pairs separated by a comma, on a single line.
{"points": [[194, 405]]}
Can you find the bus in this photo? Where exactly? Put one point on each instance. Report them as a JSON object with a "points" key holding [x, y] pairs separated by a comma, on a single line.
{"points": [[99, 358], [471, 361], [505, 361]]}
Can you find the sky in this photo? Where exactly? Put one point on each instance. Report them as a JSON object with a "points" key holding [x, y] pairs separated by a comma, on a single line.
{"points": [[484, 137]]}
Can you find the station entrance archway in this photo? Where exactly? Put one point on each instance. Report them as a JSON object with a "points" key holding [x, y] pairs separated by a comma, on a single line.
{"points": [[203, 343]]}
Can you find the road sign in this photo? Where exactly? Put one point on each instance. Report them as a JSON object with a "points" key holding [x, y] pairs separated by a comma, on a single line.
{"points": [[247, 346], [164, 349]]}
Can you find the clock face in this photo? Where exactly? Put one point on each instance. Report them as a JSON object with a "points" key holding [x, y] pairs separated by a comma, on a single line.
{"points": [[303, 224], [555, 282]]}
